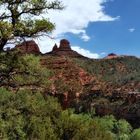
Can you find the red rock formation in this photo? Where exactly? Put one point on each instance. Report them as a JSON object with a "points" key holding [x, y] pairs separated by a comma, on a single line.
{"points": [[72, 76], [64, 45], [55, 48], [64, 50], [28, 47], [111, 56]]}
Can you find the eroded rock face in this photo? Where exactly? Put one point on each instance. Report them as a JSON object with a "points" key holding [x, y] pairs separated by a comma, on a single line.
{"points": [[69, 78], [64, 45], [28, 47], [55, 48]]}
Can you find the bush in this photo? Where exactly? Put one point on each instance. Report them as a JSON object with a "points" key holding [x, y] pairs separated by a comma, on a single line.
{"points": [[136, 134]]}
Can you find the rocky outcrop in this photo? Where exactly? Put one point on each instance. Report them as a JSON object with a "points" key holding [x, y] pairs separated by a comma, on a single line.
{"points": [[111, 56], [64, 49], [55, 48], [28, 47], [68, 72], [68, 80], [64, 45]]}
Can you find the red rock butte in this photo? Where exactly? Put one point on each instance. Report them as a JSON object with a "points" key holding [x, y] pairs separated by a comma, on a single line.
{"points": [[111, 56], [64, 45], [28, 47], [64, 49]]}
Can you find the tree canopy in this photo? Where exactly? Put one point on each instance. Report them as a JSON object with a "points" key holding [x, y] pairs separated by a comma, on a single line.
{"points": [[20, 19], [28, 112], [27, 115], [23, 71]]}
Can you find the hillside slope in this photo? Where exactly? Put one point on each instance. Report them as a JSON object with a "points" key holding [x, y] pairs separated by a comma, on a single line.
{"points": [[122, 73], [110, 86]]}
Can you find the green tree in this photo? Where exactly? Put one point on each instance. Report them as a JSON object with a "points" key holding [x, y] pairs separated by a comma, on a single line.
{"points": [[136, 134], [28, 115], [80, 127], [21, 19], [120, 130], [23, 71]]}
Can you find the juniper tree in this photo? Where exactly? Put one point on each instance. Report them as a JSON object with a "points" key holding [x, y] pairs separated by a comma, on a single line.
{"points": [[20, 19], [23, 72]]}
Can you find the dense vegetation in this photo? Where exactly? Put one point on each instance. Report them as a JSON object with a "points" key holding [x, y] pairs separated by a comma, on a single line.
{"points": [[27, 115], [115, 71], [28, 112], [22, 71]]}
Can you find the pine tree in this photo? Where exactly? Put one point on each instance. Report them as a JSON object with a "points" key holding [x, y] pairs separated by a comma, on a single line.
{"points": [[20, 19]]}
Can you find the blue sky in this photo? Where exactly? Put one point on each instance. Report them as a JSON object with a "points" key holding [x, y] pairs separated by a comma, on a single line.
{"points": [[121, 36], [96, 28]]}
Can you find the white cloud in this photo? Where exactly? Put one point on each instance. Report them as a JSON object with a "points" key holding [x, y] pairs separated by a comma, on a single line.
{"points": [[85, 37], [46, 44], [82, 34], [77, 15], [85, 52], [131, 30], [103, 53]]}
